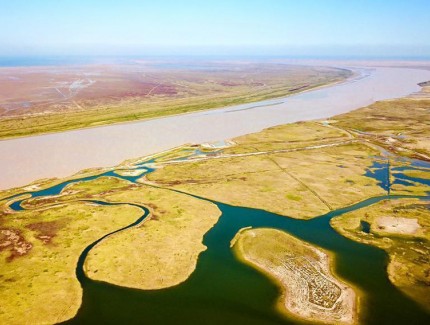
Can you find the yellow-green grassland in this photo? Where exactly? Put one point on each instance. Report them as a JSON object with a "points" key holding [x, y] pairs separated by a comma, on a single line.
{"points": [[402, 229]]}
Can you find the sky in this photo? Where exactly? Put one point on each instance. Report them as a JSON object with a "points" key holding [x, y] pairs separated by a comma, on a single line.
{"points": [[212, 27]]}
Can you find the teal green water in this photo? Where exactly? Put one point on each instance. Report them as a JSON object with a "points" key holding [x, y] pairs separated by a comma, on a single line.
{"points": [[222, 290]]}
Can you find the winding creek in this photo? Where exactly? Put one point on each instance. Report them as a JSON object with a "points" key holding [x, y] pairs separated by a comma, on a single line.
{"points": [[222, 290]]}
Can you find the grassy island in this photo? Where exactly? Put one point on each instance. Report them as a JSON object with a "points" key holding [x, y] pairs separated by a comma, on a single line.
{"points": [[164, 248], [310, 291], [294, 170]]}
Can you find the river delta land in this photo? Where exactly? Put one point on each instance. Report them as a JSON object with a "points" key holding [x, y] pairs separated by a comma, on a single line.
{"points": [[322, 221]]}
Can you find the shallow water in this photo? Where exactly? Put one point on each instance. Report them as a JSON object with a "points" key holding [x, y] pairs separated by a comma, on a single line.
{"points": [[365, 227], [380, 170], [58, 155]]}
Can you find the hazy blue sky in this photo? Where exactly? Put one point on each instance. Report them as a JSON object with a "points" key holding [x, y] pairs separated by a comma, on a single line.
{"points": [[283, 27]]}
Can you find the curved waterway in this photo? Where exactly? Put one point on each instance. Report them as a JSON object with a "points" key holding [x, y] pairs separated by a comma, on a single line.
{"points": [[223, 290], [62, 154]]}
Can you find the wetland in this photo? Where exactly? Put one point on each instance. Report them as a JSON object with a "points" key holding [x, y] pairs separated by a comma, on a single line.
{"points": [[157, 238]]}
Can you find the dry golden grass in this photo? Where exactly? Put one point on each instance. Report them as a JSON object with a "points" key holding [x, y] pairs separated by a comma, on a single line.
{"points": [[409, 267], [424, 174], [333, 170], [38, 284], [163, 251], [310, 291], [300, 184], [287, 136], [401, 125]]}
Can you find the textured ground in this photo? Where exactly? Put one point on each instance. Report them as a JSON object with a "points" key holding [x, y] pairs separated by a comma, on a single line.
{"points": [[293, 170], [310, 291]]}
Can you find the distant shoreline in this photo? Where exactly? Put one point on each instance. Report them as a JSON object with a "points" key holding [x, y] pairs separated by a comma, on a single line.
{"points": [[58, 60]]}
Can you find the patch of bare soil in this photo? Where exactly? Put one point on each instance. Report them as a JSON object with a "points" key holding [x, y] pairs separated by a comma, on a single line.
{"points": [[13, 241], [404, 226]]}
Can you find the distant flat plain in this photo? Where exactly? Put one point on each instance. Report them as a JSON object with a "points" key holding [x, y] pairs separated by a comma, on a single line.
{"points": [[39, 100], [60, 154]]}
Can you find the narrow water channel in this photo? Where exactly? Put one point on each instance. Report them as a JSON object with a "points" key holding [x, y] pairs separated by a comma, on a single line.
{"points": [[223, 290]]}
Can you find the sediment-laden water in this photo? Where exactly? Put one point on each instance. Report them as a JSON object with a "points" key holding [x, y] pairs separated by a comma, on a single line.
{"points": [[65, 153]]}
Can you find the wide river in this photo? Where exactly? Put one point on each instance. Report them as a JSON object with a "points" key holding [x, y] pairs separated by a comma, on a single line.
{"points": [[24, 160]]}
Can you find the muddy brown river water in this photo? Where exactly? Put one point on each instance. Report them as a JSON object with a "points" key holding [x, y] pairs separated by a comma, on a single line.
{"points": [[24, 160]]}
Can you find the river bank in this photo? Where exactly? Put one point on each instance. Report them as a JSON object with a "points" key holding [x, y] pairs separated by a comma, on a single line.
{"points": [[220, 287], [61, 154]]}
